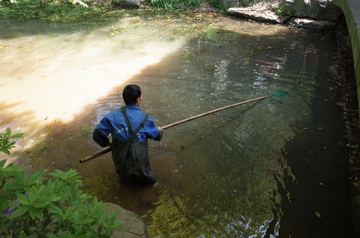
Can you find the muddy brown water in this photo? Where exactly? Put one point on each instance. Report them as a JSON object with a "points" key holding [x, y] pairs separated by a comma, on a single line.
{"points": [[272, 168]]}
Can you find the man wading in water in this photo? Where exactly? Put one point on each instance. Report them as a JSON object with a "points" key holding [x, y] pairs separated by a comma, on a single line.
{"points": [[130, 129]]}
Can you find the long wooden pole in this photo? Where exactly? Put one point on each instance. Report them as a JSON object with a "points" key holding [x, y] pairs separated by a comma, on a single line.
{"points": [[181, 122], [212, 111], [86, 159]]}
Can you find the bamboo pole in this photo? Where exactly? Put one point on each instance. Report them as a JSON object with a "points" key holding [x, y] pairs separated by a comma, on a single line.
{"points": [[181, 122], [212, 111], [95, 155]]}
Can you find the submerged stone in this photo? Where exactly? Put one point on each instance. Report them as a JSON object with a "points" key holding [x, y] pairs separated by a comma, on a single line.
{"points": [[311, 24]]}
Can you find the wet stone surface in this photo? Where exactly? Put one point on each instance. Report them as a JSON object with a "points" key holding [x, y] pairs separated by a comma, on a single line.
{"points": [[132, 223]]}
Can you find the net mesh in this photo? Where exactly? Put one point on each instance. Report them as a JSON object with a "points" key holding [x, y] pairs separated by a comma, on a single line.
{"points": [[279, 95]]}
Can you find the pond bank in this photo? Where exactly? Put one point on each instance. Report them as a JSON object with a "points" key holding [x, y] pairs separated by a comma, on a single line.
{"points": [[272, 12]]}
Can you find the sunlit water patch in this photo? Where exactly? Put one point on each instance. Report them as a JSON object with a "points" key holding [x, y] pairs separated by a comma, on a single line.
{"points": [[50, 74]]}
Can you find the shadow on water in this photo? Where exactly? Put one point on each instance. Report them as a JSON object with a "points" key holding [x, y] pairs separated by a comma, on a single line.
{"points": [[224, 175], [321, 191]]}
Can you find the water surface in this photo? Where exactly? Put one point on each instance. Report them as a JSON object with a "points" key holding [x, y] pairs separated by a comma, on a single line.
{"points": [[231, 174]]}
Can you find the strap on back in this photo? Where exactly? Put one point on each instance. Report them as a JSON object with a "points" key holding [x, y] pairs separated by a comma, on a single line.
{"points": [[133, 133]]}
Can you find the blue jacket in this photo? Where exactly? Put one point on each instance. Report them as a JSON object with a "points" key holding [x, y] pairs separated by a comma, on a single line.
{"points": [[114, 123]]}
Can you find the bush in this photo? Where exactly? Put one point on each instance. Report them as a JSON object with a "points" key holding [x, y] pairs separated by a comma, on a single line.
{"points": [[174, 4], [5, 144], [52, 208], [182, 4], [245, 3], [52, 10]]}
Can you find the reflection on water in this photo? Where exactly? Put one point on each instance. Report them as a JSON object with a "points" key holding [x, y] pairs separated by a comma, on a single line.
{"points": [[219, 176]]}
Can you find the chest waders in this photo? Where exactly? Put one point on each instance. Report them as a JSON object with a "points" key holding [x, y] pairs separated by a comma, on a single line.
{"points": [[131, 157]]}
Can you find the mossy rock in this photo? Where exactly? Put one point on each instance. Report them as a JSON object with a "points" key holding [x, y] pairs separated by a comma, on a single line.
{"points": [[318, 10]]}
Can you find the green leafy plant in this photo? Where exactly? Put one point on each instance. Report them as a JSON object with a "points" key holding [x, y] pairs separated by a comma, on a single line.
{"points": [[246, 3], [53, 208], [32, 206], [280, 11], [5, 143], [185, 4]]}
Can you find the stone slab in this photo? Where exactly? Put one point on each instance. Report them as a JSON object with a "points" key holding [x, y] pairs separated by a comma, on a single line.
{"points": [[133, 224], [257, 12]]}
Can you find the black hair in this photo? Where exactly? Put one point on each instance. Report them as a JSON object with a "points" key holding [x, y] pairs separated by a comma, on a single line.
{"points": [[131, 93]]}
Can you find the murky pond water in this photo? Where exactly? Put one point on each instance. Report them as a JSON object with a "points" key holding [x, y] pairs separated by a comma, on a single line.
{"points": [[270, 168]]}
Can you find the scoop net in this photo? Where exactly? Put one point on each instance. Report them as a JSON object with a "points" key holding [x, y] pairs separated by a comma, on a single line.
{"points": [[279, 95]]}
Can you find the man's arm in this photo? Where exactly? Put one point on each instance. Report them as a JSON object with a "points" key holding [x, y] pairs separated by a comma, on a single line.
{"points": [[103, 141], [160, 134]]}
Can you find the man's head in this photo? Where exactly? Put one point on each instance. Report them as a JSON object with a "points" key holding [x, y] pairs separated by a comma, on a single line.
{"points": [[132, 94]]}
